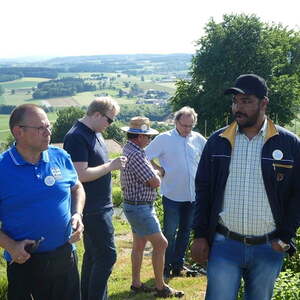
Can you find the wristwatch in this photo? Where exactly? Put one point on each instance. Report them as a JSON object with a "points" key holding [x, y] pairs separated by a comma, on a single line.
{"points": [[283, 245]]}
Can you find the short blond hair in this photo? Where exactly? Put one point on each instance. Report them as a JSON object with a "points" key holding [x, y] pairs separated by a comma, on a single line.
{"points": [[186, 111], [103, 105]]}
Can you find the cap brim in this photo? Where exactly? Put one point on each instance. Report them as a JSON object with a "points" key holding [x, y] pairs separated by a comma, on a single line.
{"points": [[234, 90], [149, 131]]}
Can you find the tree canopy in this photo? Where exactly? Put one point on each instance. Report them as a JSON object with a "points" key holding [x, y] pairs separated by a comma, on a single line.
{"points": [[242, 44]]}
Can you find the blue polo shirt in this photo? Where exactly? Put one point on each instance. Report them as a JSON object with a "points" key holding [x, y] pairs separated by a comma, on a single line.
{"points": [[35, 199], [85, 145]]}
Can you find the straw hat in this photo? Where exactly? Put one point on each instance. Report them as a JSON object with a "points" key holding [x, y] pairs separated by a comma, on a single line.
{"points": [[140, 125]]}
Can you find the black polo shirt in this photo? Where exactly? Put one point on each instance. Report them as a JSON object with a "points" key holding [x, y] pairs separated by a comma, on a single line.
{"points": [[85, 145]]}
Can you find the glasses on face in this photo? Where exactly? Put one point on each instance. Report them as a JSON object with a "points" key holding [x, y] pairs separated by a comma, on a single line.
{"points": [[109, 120], [40, 129], [186, 126]]}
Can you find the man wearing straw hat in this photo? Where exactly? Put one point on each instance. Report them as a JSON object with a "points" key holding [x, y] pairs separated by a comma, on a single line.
{"points": [[139, 181]]}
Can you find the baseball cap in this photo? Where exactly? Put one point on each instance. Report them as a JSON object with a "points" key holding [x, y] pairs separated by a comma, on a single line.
{"points": [[250, 84]]}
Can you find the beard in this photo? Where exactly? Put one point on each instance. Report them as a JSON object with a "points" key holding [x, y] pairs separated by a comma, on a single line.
{"points": [[246, 121]]}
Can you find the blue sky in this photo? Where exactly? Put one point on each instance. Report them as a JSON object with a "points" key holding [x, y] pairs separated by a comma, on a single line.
{"points": [[89, 27]]}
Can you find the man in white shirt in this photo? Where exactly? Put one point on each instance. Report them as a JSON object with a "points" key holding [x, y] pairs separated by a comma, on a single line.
{"points": [[178, 151]]}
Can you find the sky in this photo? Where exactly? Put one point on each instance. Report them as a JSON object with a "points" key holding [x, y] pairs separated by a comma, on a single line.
{"points": [[92, 27]]}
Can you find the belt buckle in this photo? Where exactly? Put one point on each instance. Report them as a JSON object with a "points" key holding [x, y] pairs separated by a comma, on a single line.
{"points": [[245, 240]]}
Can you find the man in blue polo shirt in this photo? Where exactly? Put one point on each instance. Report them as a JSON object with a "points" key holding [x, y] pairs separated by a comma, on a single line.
{"points": [[87, 148], [41, 201]]}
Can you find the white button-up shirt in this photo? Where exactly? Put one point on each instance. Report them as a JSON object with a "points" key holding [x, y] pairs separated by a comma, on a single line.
{"points": [[179, 156], [246, 208]]}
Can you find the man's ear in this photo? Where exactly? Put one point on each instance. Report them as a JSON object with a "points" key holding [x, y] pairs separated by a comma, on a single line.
{"points": [[265, 102], [16, 131]]}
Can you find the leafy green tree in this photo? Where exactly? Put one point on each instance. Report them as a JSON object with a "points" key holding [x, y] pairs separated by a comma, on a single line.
{"points": [[65, 119], [242, 44], [115, 133]]}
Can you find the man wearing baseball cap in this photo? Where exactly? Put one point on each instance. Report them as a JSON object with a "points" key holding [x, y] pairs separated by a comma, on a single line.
{"points": [[139, 181], [247, 197]]}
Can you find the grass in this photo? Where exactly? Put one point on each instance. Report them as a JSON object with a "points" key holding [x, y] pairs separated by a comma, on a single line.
{"points": [[120, 280], [26, 82]]}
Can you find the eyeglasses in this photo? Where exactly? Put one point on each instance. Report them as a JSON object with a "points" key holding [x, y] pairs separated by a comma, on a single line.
{"points": [[109, 120], [40, 129], [186, 126]]}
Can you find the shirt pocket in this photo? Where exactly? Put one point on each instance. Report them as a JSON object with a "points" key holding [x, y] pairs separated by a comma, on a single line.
{"points": [[282, 170]]}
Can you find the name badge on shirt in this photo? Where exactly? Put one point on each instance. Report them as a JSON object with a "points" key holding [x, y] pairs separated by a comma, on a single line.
{"points": [[277, 154], [49, 180]]}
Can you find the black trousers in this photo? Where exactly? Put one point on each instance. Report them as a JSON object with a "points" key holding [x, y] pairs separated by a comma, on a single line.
{"points": [[45, 276]]}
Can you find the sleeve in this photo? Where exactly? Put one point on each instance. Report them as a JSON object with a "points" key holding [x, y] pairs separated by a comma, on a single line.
{"points": [[292, 222], [77, 147], [141, 167], [71, 170], [155, 148], [202, 189]]}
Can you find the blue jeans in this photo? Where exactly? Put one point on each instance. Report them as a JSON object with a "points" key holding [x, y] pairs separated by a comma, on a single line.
{"points": [[178, 218], [99, 256], [229, 261]]}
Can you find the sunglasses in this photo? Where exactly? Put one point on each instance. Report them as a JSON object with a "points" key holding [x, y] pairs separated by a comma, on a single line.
{"points": [[109, 120]]}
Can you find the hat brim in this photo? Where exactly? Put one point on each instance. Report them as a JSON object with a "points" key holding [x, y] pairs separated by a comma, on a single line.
{"points": [[235, 91], [149, 131]]}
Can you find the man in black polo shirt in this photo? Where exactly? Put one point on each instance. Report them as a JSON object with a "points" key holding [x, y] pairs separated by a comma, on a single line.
{"points": [[88, 151]]}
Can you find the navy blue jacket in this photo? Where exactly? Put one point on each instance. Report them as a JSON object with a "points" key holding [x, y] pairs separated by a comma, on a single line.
{"points": [[281, 180]]}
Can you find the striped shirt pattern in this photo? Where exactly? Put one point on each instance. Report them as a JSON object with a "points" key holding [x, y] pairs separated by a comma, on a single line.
{"points": [[246, 209], [137, 172]]}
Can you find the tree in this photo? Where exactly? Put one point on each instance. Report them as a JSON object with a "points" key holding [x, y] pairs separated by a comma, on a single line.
{"points": [[115, 133], [65, 119], [242, 44]]}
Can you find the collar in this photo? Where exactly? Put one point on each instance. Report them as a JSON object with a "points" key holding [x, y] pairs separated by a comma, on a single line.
{"points": [[85, 127], [132, 144], [176, 132], [20, 161], [268, 130]]}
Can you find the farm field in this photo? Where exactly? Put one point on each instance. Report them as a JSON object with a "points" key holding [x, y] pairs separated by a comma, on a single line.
{"points": [[20, 91], [4, 127]]}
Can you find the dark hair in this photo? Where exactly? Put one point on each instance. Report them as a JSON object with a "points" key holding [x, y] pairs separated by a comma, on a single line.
{"points": [[18, 114], [132, 136]]}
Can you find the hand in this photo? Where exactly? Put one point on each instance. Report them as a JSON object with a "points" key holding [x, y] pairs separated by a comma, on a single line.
{"points": [[200, 250], [77, 227], [159, 171], [276, 246], [118, 163], [18, 252]]}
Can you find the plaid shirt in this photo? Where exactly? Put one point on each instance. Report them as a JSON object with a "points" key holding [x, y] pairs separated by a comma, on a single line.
{"points": [[137, 172], [246, 208]]}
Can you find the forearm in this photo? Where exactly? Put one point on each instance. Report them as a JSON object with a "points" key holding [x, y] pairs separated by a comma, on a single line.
{"points": [[78, 198], [92, 173], [158, 167], [6, 242]]}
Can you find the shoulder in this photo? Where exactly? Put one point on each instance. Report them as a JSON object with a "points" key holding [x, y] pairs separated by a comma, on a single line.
{"points": [[286, 133], [164, 135], [198, 136], [57, 152]]}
